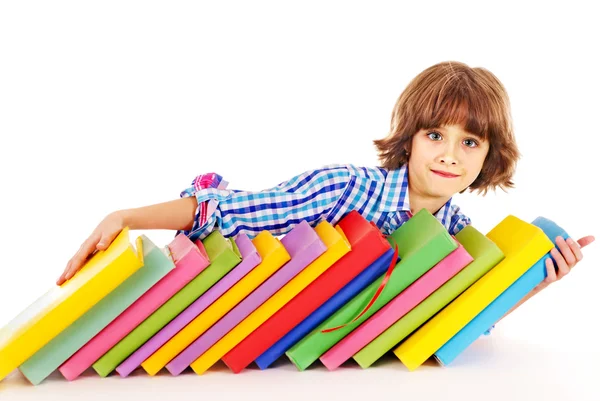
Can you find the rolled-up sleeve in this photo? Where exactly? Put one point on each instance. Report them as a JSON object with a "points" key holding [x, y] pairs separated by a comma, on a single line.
{"points": [[458, 221]]}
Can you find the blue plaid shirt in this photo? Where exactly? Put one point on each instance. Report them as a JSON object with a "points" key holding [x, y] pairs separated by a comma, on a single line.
{"points": [[327, 193]]}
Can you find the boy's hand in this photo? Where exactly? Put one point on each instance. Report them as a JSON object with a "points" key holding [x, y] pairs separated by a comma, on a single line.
{"points": [[569, 255], [99, 240]]}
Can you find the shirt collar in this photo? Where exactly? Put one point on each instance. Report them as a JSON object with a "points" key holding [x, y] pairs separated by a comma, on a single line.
{"points": [[395, 196]]}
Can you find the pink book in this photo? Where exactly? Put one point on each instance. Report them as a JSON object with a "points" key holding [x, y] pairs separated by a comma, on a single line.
{"points": [[250, 259], [190, 260], [396, 308]]}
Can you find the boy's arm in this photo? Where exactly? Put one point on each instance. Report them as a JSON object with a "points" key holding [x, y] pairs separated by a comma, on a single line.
{"points": [[303, 196], [176, 215], [205, 206], [172, 215], [311, 196]]}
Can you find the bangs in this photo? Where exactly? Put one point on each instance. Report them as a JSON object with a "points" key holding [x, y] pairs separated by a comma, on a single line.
{"points": [[455, 101]]}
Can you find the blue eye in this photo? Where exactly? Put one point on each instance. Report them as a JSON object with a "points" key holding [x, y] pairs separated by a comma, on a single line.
{"points": [[436, 136], [471, 143]]}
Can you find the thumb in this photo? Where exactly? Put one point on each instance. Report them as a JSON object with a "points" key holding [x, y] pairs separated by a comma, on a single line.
{"points": [[105, 240], [585, 241], [103, 243]]}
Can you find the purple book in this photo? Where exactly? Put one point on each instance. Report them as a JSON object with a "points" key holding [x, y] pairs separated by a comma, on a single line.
{"points": [[304, 246], [250, 259]]}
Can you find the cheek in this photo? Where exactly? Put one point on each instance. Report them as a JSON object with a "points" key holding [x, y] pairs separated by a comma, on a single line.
{"points": [[421, 152], [474, 165], [417, 161]]}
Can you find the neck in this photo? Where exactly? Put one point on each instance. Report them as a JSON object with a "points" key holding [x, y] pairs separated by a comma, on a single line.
{"points": [[420, 201]]}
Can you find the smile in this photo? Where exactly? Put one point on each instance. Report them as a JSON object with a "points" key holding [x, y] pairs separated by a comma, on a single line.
{"points": [[444, 174]]}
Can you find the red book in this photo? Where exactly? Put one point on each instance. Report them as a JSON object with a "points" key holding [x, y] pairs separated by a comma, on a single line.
{"points": [[367, 245]]}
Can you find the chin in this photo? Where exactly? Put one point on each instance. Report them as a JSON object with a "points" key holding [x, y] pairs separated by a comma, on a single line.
{"points": [[443, 193]]}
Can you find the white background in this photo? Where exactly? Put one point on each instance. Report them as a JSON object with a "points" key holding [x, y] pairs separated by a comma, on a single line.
{"points": [[119, 104]]}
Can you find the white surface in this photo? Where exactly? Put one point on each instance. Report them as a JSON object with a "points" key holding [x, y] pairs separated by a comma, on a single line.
{"points": [[138, 97], [494, 368]]}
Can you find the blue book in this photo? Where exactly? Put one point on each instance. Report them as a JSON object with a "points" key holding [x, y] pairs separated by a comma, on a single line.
{"points": [[501, 305], [359, 283]]}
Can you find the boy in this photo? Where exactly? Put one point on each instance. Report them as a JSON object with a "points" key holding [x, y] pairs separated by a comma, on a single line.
{"points": [[451, 130]]}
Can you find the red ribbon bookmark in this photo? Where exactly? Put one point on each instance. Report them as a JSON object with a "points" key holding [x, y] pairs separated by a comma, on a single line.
{"points": [[386, 278]]}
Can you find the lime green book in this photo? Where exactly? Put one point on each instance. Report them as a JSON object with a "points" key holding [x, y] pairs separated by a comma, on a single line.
{"points": [[422, 242], [486, 255]]}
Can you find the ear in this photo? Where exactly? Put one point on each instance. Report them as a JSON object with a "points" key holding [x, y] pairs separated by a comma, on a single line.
{"points": [[408, 146]]}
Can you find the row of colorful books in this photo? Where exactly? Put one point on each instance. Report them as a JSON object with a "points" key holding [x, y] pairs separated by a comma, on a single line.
{"points": [[328, 293]]}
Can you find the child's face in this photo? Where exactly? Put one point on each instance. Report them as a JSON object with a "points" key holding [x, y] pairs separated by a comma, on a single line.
{"points": [[445, 160]]}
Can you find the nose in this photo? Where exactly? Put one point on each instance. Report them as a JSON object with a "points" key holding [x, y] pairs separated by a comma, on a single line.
{"points": [[448, 160], [448, 156]]}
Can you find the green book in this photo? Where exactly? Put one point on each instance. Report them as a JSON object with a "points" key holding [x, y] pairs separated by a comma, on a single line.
{"points": [[223, 255], [486, 255], [422, 242], [156, 265]]}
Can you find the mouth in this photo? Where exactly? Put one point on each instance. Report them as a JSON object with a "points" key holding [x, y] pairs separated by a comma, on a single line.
{"points": [[444, 174]]}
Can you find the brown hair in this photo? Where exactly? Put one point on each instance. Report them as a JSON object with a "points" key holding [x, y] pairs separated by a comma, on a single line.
{"points": [[453, 93]]}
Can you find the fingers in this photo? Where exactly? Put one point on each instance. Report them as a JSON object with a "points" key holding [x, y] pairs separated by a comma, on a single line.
{"points": [[563, 268], [77, 261], [565, 256], [566, 253], [569, 254], [80, 257], [550, 271], [576, 249]]}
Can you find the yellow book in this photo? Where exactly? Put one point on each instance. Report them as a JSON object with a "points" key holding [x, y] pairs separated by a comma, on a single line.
{"points": [[56, 310], [337, 246], [273, 255], [523, 244]]}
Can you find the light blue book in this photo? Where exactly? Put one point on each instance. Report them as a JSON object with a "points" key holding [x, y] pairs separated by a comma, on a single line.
{"points": [[501, 305]]}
